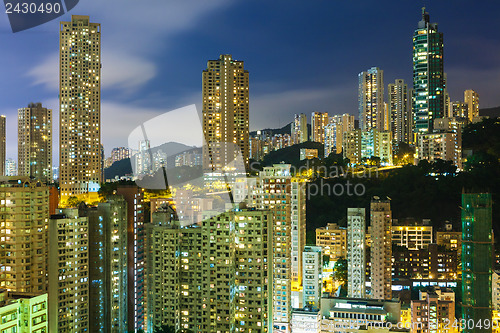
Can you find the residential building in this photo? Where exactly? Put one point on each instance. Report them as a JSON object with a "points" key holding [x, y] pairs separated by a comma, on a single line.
{"points": [[299, 130], [333, 240], [471, 99], [34, 142], [442, 145], [23, 230], [477, 260], [225, 112], [197, 270], [23, 312], [360, 146], [120, 153], [134, 196], [428, 100], [312, 283], [412, 237], [318, 122], [371, 100], [10, 167], [356, 224], [107, 249], [400, 112], [80, 168], [68, 262], [308, 154], [381, 248], [435, 310], [495, 290]]}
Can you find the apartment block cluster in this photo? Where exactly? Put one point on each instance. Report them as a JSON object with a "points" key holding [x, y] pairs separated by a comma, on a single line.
{"points": [[194, 264], [423, 116]]}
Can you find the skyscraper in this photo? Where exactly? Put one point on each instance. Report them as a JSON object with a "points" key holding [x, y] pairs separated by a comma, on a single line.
{"points": [[477, 249], [428, 101], [356, 268], [400, 112], [371, 99], [134, 196], [299, 130], [107, 250], [80, 107], [381, 248], [68, 272], [312, 265], [2, 145], [225, 112], [34, 147], [471, 98], [318, 122]]}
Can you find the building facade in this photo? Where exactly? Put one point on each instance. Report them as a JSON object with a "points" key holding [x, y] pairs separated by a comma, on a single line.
{"points": [[225, 112], [312, 265], [34, 147], [80, 168], [356, 224], [68, 263], [2, 144], [428, 101], [400, 112], [23, 225], [371, 100], [318, 122], [23, 312], [471, 99], [333, 240], [477, 249], [381, 249]]}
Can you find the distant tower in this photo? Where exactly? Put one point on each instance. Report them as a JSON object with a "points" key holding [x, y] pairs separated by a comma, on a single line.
{"points": [[428, 101], [477, 249], [80, 107], [225, 112], [318, 122], [381, 248], [371, 99], [400, 112], [34, 148], [299, 129], [356, 252], [471, 98]]}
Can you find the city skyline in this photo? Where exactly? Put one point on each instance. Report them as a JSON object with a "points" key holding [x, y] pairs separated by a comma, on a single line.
{"points": [[331, 89]]}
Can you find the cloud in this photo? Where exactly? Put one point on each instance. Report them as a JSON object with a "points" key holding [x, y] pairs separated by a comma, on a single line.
{"points": [[120, 71]]}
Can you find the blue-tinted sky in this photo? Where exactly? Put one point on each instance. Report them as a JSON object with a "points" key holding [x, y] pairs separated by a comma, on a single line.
{"points": [[302, 56]]}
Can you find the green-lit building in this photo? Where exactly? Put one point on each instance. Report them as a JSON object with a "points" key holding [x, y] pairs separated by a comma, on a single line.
{"points": [[428, 101], [477, 248]]}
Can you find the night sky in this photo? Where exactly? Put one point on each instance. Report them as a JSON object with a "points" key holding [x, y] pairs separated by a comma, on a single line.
{"points": [[303, 56]]}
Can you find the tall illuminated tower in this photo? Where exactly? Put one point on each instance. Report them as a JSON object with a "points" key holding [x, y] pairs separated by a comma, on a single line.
{"points": [[471, 98], [80, 106], [34, 147], [318, 122], [399, 110], [371, 99], [477, 249], [381, 248], [356, 252], [225, 112], [428, 101]]}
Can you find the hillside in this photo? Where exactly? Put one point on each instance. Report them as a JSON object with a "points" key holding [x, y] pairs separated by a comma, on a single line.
{"points": [[171, 149], [490, 112]]}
